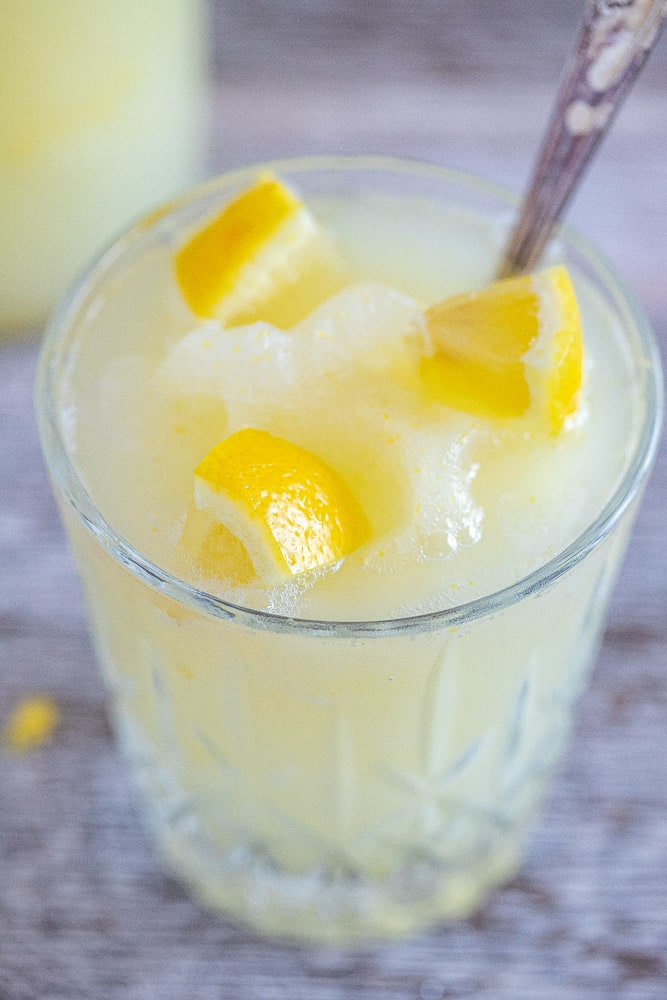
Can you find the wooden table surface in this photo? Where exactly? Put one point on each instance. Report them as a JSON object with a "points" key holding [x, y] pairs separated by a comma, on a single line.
{"points": [[85, 912]]}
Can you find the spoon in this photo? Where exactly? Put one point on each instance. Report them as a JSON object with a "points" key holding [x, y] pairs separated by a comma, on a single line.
{"points": [[614, 39]]}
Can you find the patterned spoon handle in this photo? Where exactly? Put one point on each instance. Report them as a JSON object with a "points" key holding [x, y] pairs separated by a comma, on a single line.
{"points": [[614, 40]]}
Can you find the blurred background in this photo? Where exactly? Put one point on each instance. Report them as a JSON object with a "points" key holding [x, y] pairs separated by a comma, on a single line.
{"points": [[106, 110], [85, 911], [468, 85]]}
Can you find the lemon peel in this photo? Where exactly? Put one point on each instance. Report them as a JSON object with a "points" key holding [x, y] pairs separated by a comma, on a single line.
{"points": [[32, 723], [513, 348], [256, 245], [292, 512]]}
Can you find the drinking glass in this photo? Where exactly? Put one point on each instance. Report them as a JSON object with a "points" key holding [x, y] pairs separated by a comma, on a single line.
{"points": [[335, 780]]}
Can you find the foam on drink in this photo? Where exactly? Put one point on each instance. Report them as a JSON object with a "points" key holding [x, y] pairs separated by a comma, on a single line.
{"points": [[459, 505]]}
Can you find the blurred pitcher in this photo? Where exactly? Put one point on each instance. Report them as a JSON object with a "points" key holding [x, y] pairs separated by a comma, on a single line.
{"points": [[100, 116]]}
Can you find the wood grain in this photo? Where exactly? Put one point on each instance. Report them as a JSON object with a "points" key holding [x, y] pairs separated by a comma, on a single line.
{"points": [[85, 910]]}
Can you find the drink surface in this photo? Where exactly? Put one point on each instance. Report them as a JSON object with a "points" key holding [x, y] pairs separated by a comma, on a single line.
{"points": [[459, 505]]}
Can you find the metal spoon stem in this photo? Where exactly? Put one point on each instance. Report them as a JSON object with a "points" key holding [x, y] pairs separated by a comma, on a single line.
{"points": [[614, 40]]}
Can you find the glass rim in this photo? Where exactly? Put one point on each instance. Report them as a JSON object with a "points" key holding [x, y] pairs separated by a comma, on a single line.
{"points": [[63, 470]]}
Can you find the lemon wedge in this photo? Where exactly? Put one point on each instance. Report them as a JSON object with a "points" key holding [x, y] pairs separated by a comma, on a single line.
{"points": [[515, 347], [289, 509], [255, 248]]}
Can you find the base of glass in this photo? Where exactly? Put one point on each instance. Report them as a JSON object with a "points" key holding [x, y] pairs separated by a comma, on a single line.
{"points": [[329, 903], [337, 898]]}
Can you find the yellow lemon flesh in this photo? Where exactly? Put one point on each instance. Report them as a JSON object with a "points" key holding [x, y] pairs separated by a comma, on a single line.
{"points": [[251, 254], [511, 348], [290, 510], [215, 550]]}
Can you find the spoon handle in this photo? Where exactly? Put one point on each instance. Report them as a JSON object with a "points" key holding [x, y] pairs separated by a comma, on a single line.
{"points": [[614, 40]]}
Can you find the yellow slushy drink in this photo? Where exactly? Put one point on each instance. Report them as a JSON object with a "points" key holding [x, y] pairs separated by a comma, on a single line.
{"points": [[347, 514]]}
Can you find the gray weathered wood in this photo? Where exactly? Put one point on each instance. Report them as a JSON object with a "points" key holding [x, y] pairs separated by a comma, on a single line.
{"points": [[85, 911]]}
